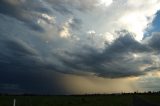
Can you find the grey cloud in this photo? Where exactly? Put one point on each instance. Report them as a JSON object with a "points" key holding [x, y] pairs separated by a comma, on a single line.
{"points": [[30, 60], [152, 69], [127, 44], [29, 12], [83, 5], [154, 41], [67, 5], [61, 8], [116, 60], [18, 54], [76, 24], [22, 12], [112, 62], [21, 65], [21, 61], [107, 63], [20, 48]]}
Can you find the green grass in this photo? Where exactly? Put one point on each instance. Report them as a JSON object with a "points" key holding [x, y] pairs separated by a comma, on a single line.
{"points": [[91, 100]]}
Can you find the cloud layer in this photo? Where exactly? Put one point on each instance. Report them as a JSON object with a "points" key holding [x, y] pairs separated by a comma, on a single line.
{"points": [[81, 37]]}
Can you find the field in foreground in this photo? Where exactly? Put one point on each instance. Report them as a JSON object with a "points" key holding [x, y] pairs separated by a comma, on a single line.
{"points": [[86, 100]]}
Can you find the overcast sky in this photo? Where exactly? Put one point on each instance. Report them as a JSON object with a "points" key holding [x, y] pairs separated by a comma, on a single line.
{"points": [[79, 46]]}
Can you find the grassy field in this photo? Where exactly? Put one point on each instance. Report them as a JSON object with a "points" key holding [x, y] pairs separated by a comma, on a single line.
{"points": [[90, 100], [151, 98]]}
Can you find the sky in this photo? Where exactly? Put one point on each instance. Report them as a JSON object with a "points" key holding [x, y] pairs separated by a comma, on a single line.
{"points": [[79, 46]]}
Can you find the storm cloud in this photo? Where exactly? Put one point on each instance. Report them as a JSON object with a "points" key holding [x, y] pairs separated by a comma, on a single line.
{"points": [[122, 58], [41, 40]]}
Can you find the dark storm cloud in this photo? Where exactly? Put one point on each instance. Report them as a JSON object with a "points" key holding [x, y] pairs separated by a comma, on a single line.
{"points": [[19, 48], [29, 80], [154, 41], [22, 69], [29, 60], [113, 62], [20, 66], [126, 43]]}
